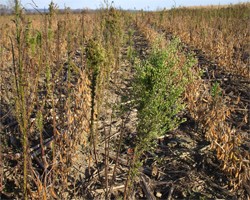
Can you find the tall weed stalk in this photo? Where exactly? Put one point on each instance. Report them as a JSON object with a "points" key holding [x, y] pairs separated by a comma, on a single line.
{"points": [[159, 87]]}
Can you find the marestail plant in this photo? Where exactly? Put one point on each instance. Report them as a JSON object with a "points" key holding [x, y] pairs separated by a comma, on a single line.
{"points": [[158, 92], [160, 83], [95, 55]]}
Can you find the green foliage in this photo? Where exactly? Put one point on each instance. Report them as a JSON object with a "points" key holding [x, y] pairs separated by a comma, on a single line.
{"points": [[17, 7], [50, 34], [112, 29], [112, 34], [35, 43], [52, 8], [95, 54], [131, 53], [39, 121], [52, 12], [159, 86], [216, 91]]}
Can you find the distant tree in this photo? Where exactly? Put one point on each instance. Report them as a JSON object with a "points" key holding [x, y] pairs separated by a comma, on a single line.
{"points": [[3, 9], [11, 4], [8, 7]]}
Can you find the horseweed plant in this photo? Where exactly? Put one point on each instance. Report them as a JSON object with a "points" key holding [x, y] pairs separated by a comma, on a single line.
{"points": [[158, 89], [159, 86]]}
